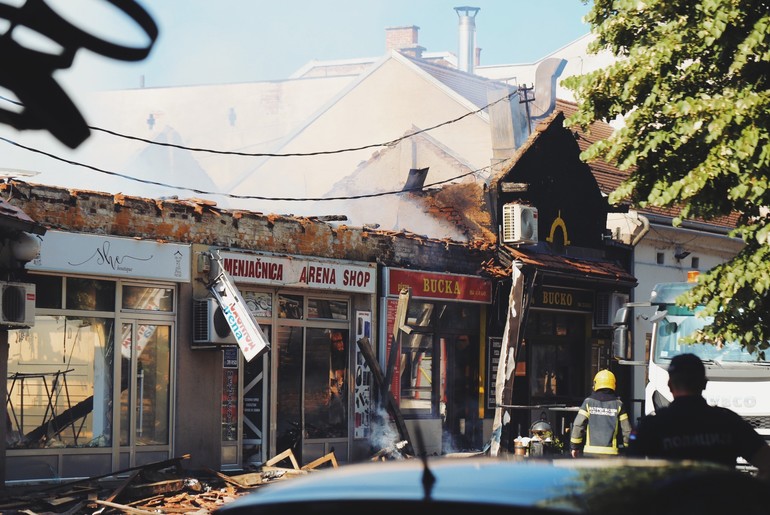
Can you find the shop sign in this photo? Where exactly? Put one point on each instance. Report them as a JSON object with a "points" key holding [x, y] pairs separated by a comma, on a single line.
{"points": [[299, 272], [564, 298], [112, 256], [434, 285], [244, 327]]}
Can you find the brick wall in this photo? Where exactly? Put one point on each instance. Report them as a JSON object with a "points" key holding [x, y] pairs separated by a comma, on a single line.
{"points": [[185, 221], [401, 37]]}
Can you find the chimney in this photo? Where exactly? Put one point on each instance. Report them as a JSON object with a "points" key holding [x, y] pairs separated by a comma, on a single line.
{"points": [[467, 48], [477, 60], [403, 39]]}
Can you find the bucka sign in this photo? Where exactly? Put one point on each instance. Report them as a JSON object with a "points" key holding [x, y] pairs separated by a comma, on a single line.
{"points": [[434, 285]]}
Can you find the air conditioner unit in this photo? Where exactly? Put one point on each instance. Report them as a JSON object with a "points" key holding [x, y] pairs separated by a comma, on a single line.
{"points": [[519, 224], [210, 329], [607, 304], [17, 305]]}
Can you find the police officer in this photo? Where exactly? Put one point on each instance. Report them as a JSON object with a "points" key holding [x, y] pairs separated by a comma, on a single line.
{"points": [[602, 415], [689, 428]]}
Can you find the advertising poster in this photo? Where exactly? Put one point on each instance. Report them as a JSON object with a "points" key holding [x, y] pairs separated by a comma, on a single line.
{"points": [[363, 375]]}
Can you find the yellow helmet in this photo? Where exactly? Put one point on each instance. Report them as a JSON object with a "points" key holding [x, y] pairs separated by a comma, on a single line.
{"points": [[604, 379]]}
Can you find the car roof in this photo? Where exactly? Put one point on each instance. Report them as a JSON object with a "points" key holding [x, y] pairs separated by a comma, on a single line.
{"points": [[530, 485]]}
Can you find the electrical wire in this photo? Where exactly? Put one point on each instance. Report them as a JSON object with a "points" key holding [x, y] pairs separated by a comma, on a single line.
{"points": [[232, 195], [258, 197], [292, 154]]}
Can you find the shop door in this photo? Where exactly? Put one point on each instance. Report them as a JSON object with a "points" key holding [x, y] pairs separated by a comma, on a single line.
{"points": [[145, 392], [557, 344], [312, 392], [254, 396], [460, 403]]}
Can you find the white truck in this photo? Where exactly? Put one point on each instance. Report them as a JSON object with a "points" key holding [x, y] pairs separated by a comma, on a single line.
{"points": [[736, 379]]}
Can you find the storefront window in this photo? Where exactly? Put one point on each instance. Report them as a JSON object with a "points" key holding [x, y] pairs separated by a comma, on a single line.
{"points": [[291, 306], [417, 373], [289, 347], [259, 303], [90, 294], [142, 298], [150, 347], [328, 309], [60, 383], [325, 383], [48, 291]]}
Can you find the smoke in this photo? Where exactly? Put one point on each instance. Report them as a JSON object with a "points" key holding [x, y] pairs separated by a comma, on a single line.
{"points": [[384, 437]]}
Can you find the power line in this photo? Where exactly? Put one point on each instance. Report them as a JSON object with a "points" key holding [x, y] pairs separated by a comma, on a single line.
{"points": [[293, 154], [231, 195]]}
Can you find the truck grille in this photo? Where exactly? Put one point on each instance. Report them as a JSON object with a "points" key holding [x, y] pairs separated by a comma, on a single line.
{"points": [[759, 422]]}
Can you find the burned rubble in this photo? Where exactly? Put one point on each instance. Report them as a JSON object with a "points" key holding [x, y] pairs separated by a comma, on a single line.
{"points": [[161, 487]]}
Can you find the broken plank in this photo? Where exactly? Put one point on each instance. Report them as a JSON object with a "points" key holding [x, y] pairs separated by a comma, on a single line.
{"points": [[323, 459], [160, 487], [122, 486], [287, 471], [229, 480], [124, 508], [282, 456], [250, 478]]}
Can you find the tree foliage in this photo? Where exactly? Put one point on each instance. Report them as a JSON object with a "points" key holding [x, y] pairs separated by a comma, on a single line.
{"points": [[691, 81]]}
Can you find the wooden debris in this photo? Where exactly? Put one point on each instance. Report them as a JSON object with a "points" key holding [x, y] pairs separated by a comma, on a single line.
{"points": [[282, 456], [124, 508], [161, 487], [320, 461]]}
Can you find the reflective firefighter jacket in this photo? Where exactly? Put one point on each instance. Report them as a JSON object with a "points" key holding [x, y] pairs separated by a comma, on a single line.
{"points": [[601, 424]]}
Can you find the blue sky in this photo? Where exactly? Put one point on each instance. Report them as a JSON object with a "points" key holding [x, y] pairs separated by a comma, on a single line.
{"points": [[219, 41], [227, 41]]}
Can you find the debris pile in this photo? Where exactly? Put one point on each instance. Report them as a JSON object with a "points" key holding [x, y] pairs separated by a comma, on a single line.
{"points": [[161, 487]]}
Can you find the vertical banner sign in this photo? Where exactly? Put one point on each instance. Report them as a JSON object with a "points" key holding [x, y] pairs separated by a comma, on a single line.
{"points": [[363, 387], [395, 385], [494, 346], [229, 405], [249, 336], [507, 362]]}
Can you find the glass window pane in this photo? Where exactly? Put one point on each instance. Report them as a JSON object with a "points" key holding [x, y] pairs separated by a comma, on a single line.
{"points": [[127, 344], [48, 291], [259, 303], [90, 294], [148, 298], [288, 392], [326, 396], [458, 318], [291, 306], [328, 309], [60, 383], [419, 314], [153, 350], [417, 384]]}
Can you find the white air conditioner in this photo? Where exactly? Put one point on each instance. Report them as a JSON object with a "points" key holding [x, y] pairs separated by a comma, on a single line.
{"points": [[210, 329], [17, 305], [519, 224]]}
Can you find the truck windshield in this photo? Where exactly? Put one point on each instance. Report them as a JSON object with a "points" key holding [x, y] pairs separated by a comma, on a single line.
{"points": [[672, 329]]}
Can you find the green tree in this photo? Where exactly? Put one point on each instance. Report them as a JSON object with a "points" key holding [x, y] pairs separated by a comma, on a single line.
{"points": [[690, 79]]}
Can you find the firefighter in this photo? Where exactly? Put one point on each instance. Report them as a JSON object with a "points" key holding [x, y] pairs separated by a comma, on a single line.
{"points": [[602, 422]]}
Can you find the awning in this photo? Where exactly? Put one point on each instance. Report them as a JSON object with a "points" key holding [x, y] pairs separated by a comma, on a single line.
{"points": [[596, 270]]}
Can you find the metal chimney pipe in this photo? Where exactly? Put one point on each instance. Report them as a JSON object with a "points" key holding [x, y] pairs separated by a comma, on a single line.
{"points": [[467, 48]]}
